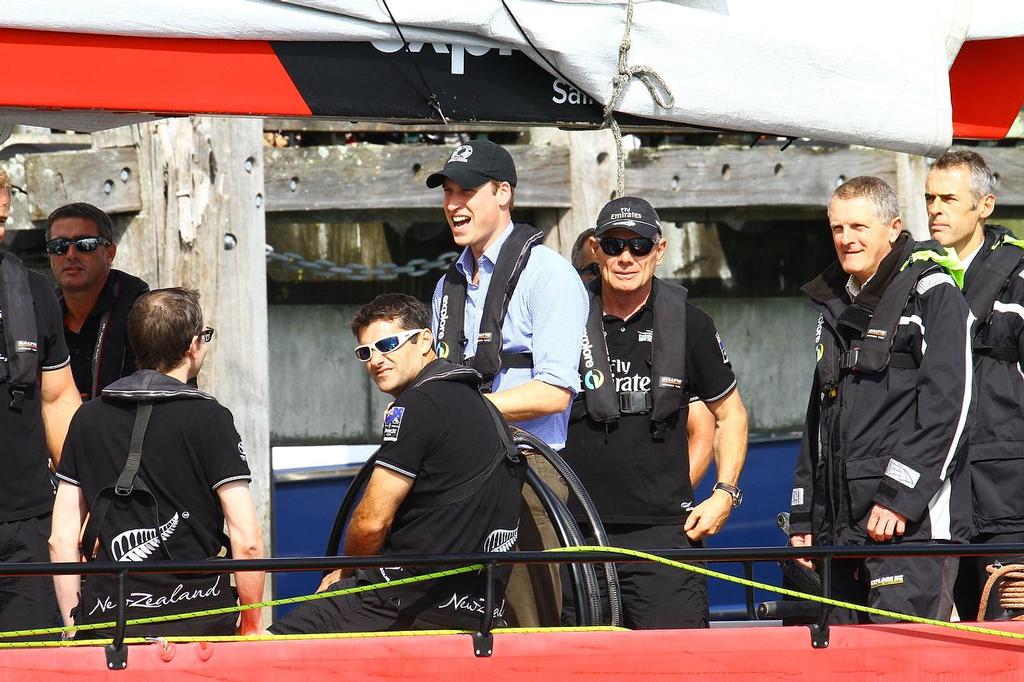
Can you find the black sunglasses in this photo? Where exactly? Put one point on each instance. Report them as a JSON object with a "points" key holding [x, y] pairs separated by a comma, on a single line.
{"points": [[638, 246], [206, 335], [60, 245]]}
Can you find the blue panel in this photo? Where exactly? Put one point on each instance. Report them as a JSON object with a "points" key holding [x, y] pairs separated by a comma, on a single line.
{"points": [[304, 514], [767, 482]]}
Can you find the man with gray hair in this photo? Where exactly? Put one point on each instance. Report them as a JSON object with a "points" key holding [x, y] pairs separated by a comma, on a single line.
{"points": [[885, 435], [95, 299], [960, 196]]}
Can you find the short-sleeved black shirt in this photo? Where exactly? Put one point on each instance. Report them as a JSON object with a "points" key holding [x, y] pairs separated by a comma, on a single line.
{"points": [[25, 488], [113, 358], [440, 434], [191, 449], [632, 478]]}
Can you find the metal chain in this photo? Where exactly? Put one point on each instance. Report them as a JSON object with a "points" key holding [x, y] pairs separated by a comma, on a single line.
{"points": [[357, 272]]}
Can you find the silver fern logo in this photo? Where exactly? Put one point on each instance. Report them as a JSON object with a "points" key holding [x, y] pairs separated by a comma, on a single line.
{"points": [[137, 544], [501, 540]]}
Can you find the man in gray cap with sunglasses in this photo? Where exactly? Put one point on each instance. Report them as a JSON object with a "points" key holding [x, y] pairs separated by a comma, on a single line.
{"points": [[647, 353], [94, 298]]}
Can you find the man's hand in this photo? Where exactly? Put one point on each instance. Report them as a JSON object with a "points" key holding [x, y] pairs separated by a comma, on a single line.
{"points": [[329, 579], [708, 517], [802, 540], [884, 524]]}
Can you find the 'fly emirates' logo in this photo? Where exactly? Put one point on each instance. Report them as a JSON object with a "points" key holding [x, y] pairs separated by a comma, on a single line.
{"points": [[624, 381]]}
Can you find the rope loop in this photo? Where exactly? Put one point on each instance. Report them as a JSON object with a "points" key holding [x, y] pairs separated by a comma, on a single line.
{"points": [[656, 86]]}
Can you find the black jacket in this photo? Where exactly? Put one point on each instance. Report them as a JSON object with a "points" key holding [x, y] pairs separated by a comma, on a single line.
{"points": [[897, 436], [997, 432]]}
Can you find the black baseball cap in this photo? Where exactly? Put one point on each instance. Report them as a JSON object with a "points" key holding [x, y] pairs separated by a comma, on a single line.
{"points": [[632, 213], [474, 163]]}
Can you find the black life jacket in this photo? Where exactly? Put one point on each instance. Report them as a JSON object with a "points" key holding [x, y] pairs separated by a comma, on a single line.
{"points": [[19, 355], [451, 337], [668, 392], [1005, 257], [872, 319]]}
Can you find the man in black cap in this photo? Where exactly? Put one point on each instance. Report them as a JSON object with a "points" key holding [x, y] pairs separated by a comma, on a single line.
{"points": [[647, 354], [513, 310]]}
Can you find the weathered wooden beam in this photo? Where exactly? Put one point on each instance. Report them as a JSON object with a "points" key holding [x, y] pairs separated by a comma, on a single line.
{"points": [[353, 177], [390, 177], [720, 177], [108, 178]]}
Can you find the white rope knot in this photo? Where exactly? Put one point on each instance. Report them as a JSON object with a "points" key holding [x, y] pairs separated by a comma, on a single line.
{"points": [[652, 80]]}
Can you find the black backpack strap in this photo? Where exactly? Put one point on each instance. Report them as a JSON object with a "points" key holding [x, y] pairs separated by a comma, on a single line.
{"points": [[507, 450], [126, 481], [124, 487]]}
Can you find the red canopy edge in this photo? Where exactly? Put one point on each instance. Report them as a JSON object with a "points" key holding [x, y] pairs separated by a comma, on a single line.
{"points": [[904, 651], [167, 75], [987, 87]]}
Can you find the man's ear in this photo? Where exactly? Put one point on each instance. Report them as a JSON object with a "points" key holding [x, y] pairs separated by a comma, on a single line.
{"points": [[895, 227], [503, 193], [988, 204], [427, 339], [111, 252]]}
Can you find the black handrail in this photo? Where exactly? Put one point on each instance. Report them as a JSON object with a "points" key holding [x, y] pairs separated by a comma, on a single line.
{"points": [[725, 554]]}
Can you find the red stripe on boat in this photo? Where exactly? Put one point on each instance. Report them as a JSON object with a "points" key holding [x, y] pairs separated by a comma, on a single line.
{"points": [[47, 69], [986, 84], [867, 652]]}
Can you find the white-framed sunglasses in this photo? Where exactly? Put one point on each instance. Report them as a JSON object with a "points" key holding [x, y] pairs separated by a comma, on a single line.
{"points": [[388, 344]]}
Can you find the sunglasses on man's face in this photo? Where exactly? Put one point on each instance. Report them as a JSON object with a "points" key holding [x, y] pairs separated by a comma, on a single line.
{"points": [[638, 246], [206, 335], [388, 344], [60, 245]]}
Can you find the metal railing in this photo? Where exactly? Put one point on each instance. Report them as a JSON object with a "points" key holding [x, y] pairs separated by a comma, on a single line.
{"points": [[483, 639]]}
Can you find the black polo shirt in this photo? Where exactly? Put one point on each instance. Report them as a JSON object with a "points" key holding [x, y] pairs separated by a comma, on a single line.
{"points": [[440, 434], [191, 448], [25, 488], [632, 478], [100, 352]]}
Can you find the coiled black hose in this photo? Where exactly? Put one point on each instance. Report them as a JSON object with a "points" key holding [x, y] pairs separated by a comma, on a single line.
{"points": [[526, 439], [584, 577]]}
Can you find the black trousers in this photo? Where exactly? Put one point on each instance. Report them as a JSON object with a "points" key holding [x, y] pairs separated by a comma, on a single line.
{"points": [[654, 596], [917, 586], [373, 611], [972, 577], [27, 602]]}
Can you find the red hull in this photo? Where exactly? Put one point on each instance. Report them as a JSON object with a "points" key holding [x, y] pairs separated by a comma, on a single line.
{"points": [[905, 652]]}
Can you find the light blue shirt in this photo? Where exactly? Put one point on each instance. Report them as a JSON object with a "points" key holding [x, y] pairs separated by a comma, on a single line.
{"points": [[546, 316]]}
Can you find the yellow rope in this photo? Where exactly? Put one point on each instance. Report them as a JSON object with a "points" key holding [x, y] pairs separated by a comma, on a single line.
{"points": [[961, 627]]}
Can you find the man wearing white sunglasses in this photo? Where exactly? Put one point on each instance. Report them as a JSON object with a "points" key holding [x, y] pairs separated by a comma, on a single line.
{"points": [[446, 479]]}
